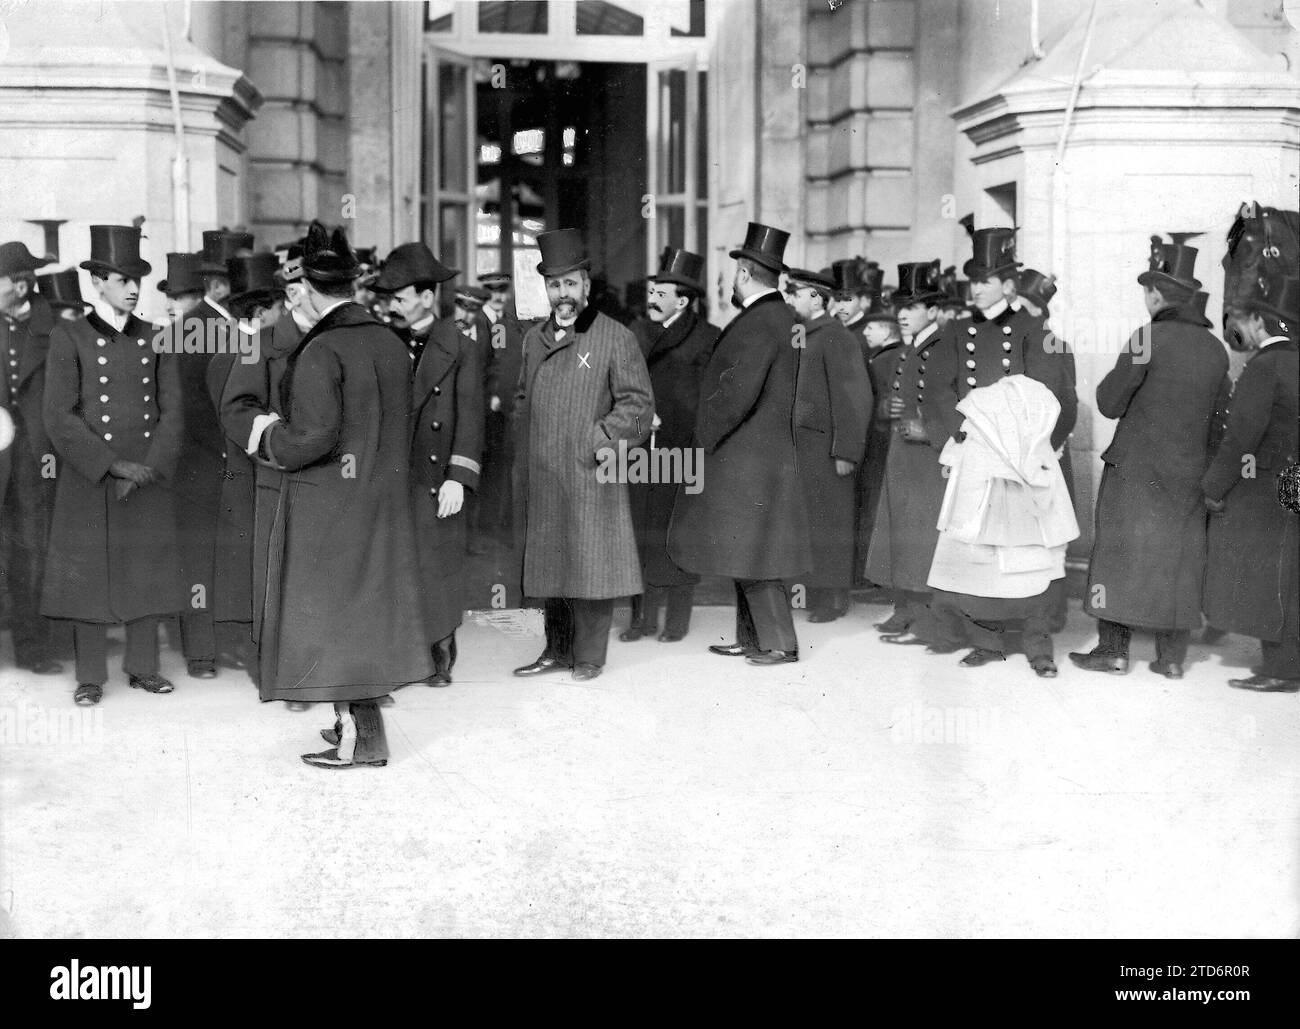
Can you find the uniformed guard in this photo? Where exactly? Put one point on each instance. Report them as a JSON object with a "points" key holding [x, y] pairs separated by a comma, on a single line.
{"points": [[833, 404], [62, 291], [1167, 389], [113, 411], [408, 288], [1252, 578], [27, 492]]}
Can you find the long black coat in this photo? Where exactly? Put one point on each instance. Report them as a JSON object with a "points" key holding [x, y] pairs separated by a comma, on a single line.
{"points": [[750, 520], [832, 407], [871, 472], [676, 357], [1148, 560], [505, 355], [447, 443], [1252, 577], [342, 618], [109, 396]]}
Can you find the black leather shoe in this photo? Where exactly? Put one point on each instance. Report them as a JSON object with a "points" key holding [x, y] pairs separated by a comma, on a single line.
{"points": [[904, 639], [331, 759], [88, 694], [893, 625], [46, 667], [1169, 669], [1044, 667], [541, 666], [824, 615], [671, 637], [632, 633], [773, 657], [1266, 684], [980, 656], [151, 683], [201, 669], [1100, 661], [585, 670], [731, 650]]}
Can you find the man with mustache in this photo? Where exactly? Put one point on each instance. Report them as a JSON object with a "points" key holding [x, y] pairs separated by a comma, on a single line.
{"points": [[113, 412]]}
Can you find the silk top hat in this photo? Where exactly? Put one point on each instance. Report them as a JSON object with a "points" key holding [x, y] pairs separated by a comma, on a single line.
{"points": [[823, 280], [1197, 304], [116, 248], [873, 282], [1171, 263], [764, 245], [15, 259], [1036, 287], [252, 273], [680, 267], [496, 280], [409, 264], [61, 288], [327, 257], [184, 275], [219, 246], [562, 251], [847, 274], [994, 253], [918, 283]]}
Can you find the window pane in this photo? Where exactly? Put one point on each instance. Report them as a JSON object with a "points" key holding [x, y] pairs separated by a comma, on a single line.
{"points": [[524, 16], [438, 15], [672, 128], [452, 236], [598, 18], [452, 116], [671, 228]]}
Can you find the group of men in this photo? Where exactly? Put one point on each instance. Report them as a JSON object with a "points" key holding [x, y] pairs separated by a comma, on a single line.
{"points": [[298, 462]]}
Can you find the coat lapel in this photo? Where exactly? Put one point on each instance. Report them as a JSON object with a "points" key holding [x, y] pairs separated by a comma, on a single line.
{"points": [[436, 359]]}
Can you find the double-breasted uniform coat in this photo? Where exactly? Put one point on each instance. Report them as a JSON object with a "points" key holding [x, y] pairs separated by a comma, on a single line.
{"points": [[109, 397], [1252, 576], [833, 405], [1148, 559], [581, 394], [447, 443], [342, 620], [676, 357], [750, 520]]}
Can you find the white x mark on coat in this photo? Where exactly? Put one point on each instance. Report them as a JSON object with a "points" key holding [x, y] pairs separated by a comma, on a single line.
{"points": [[583, 359]]}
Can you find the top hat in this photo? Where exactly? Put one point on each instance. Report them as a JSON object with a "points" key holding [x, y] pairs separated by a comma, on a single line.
{"points": [[1036, 287], [219, 246], [823, 280], [15, 258], [1280, 296], [764, 245], [183, 275], [918, 283], [496, 280], [682, 268], [327, 257], [408, 264], [562, 251], [873, 281], [472, 297], [994, 253], [847, 274], [1171, 263], [252, 273], [61, 288], [116, 248], [1197, 304]]}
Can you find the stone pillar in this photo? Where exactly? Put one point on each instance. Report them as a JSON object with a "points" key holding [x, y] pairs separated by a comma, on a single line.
{"points": [[370, 89]]}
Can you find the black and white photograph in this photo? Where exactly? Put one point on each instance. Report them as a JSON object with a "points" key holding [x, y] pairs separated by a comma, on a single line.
{"points": [[651, 469]]}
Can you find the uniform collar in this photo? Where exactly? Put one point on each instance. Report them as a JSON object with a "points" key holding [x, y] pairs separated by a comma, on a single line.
{"points": [[996, 311]]}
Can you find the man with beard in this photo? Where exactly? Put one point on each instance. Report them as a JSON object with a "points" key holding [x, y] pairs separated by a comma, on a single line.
{"points": [[412, 304], [1167, 390], [584, 395], [676, 348], [342, 619], [749, 523], [26, 494], [113, 412], [833, 403]]}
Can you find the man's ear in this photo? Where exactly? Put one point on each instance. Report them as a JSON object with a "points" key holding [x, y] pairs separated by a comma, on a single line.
{"points": [[429, 299], [23, 288]]}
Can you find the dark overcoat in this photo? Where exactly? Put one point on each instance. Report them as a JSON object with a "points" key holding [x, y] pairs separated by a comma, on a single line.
{"points": [[907, 516], [342, 617], [1148, 558], [579, 396], [832, 407], [447, 443], [750, 520], [676, 356], [505, 355], [1252, 576], [881, 367], [25, 348], [110, 396]]}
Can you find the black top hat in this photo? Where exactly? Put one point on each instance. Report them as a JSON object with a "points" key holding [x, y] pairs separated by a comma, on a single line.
{"points": [[1280, 296], [61, 288], [327, 257], [847, 274], [873, 282], [562, 251], [472, 296], [994, 253], [15, 259], [496, 280], [1197, 304], [682, 268], [116, 248], [252, 273], [918, 283], [1036, 287], [183, 275], [764, 245], [1171, 263], [408, 264], [823, 280], [219, 246]]}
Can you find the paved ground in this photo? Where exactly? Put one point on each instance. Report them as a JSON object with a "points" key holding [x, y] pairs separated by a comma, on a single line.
{"points": [[868, 790]]}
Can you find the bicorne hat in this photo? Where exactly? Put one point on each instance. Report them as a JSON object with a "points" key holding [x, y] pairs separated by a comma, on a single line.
{"points": [[183, 275], [994, 254], [61, 289], [764, 245], [116, 248], [15, 259], [1171, 263], [562, 251], [918, 283], [408, 264]]}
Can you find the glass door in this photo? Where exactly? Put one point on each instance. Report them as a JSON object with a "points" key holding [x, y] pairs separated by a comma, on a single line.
{"points": [[450, 159], [677, 157]]}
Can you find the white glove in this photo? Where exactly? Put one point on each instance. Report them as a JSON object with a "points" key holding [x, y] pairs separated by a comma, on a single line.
{"points": [[451, 498]]}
